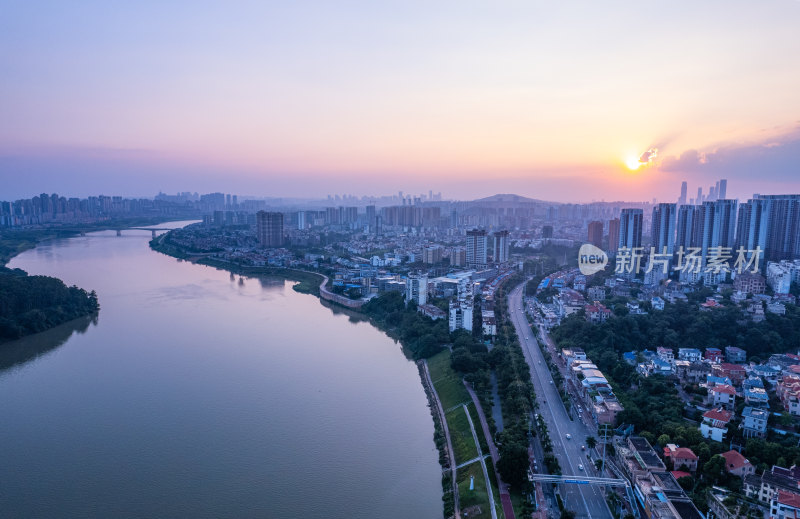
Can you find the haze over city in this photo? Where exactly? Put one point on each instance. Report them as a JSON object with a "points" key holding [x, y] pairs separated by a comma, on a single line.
{"points": [[566, 102]]}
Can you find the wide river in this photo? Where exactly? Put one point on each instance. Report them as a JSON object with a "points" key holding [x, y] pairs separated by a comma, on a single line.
{"points": [[195, 395]]}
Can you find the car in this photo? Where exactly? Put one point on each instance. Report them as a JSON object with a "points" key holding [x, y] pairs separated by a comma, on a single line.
{"points": [[580, 466], [569, 436], [583, 447]]}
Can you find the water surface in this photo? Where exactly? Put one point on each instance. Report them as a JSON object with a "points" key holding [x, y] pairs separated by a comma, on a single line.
{"points": [[192, 395]]}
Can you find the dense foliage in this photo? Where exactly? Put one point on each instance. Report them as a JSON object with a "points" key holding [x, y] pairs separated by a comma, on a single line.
{"points": [[421, 336], [31, 304], [681, 325]]}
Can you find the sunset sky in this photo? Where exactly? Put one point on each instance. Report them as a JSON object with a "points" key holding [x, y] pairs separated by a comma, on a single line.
{"points": [[544, 99]]}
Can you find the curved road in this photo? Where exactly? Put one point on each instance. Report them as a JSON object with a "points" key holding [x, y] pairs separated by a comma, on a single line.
{"points": [[584, 500]]}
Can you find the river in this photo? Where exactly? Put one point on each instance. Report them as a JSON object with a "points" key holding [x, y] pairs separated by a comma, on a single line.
{"points": [[194, 395]]}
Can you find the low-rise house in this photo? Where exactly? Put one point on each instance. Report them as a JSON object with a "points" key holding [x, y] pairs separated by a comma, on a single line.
{"points": [[786, 505], [681, 457], [752, 381], [737, 464], [713, 380], [765, 487], [750, 283], [768, 373], [776, 308], [657, 303], [432, 311], [630, 358], [665, 354], [715, 424], [597, 312], [713, 355], [735, 355], [722, 396], [690, 354], [788, 391], [736, 372], [756, 396], [754, 422], [596, 293], [634, 309]]}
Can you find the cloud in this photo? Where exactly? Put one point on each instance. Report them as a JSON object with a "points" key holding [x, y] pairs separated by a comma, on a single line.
{"points": [[648, 156], [774, 160]]}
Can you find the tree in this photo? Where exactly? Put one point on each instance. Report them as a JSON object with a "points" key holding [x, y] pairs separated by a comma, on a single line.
{"points": [[663, 440], [591, 442]]}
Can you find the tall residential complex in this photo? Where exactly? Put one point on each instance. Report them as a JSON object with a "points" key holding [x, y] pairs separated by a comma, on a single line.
{"points": [[476, 248], [500, 247], [687, 229], [613, 235], [663, 228], [269, 229], [630, 228], [771, 222], [595, 234]]}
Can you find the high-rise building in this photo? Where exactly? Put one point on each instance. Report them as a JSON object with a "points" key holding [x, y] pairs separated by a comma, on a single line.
{"points": [[595, 234], [717, 229], [458, 257], [417, 289], [687, 234], [500, 247], [699, 199], [613, 235], [771, 222], [371, 218], [547, 231], [662, 242], [722, 189], [476, 248], [431, 255], [630, 228], [662, 232], [684, 189], [269, 229]]}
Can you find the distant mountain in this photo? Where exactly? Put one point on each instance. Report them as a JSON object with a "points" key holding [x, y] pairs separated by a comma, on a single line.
{"points": [[510, 199]]}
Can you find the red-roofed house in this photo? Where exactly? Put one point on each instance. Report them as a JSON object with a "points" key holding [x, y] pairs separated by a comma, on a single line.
{"points": [[713, 355], [735, 372], [597, 312], [715, 424], [785, 505], [788, 391], [681, 456], [678, 474], [737, 464], [722, 395]]}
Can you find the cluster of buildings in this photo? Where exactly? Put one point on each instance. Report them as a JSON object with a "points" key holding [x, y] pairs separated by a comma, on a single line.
{"points": [[728, 379], [591, 387], [766, 225], [656, 487], [58, 210]]}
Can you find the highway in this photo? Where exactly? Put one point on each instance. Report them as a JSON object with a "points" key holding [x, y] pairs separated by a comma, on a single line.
{"points": [[584, 500]]}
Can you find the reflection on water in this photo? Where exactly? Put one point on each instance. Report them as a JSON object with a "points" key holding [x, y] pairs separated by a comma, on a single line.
{"points": [[32, 347], [204, 395]]}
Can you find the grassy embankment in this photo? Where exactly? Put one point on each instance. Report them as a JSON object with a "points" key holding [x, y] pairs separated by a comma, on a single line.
{"points": [[452, 394]]}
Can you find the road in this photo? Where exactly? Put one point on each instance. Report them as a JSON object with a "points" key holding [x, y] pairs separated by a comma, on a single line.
{"points": [[584, 500]]}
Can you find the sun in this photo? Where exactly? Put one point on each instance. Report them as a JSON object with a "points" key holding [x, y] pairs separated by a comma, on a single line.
{"points": [[633, 163]]}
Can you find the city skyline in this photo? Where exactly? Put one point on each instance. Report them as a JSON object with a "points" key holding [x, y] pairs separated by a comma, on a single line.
{"points": [[307, 100]]}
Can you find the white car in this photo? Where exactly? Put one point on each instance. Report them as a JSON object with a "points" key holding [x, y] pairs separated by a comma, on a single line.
{"points": [[569, 436], [580, 466]]}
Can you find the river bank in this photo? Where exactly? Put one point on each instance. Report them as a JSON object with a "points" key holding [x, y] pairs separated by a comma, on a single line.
{"points": [[315, 284]]}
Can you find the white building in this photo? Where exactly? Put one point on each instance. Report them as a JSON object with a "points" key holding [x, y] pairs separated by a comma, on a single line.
{"points": [[780, 275], [715, 424], [417, 289]]}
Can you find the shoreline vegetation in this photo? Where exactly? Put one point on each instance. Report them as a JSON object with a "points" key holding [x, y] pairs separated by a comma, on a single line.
{"points": [[33, 304], [445, 363]]}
